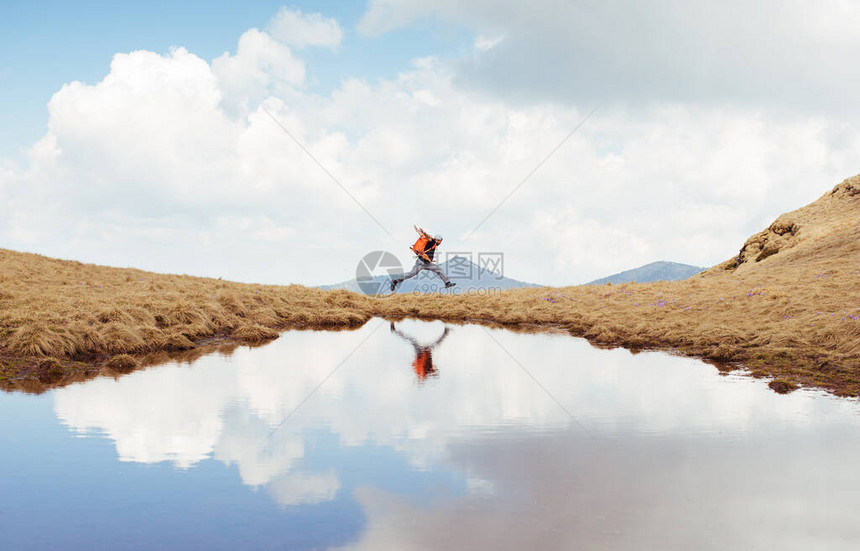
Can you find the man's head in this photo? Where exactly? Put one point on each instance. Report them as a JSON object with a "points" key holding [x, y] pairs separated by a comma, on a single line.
{"points": [[437, 238]]}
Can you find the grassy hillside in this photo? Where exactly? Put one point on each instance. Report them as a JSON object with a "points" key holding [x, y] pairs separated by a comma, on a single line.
{"points": [[60, 319], [788, 306]]}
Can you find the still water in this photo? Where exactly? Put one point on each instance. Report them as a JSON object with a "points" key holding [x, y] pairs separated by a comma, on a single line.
{"points": [[427, 436]]}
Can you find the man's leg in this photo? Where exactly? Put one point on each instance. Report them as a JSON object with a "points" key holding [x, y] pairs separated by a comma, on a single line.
{"points": [[438, 271], [419, 265]]}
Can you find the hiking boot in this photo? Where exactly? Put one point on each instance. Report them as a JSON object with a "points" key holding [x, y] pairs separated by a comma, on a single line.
{"points": [[393, 285], [449, 284]]}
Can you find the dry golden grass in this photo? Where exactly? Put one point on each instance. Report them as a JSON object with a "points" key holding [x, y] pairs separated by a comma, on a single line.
{"points": [[82, 315], [788, 307]]}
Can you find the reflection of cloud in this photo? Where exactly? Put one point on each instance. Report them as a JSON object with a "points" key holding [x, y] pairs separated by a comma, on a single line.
{"points": [[562, 491], [239, 443], [298, 488], [153, 415], [225, 407], [480, 486]]}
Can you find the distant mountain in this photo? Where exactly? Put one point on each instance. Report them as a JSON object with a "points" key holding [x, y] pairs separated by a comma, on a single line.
{"points": [[465, 273], [656, 271]]}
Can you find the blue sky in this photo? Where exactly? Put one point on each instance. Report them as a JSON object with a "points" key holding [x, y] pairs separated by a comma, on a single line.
{"points": [[157, 149], [44, 45]]}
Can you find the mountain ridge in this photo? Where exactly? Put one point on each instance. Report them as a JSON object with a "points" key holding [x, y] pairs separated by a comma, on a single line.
{"points": [[661, 270]]}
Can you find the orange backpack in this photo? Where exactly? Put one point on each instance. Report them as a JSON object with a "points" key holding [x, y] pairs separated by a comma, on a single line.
{"points": [[420, 246]]}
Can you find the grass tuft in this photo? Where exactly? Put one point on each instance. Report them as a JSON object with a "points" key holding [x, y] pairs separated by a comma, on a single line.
{"points": [[49, 370], [122, 363], [783, 386], [253, 332]]}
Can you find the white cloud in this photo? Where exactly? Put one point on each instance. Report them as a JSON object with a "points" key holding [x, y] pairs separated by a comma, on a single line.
{"points": [[384, 15], [260, 228], [298, 29], [260, 67], [483, 43], [170, 163], [152, 127], [765, 53]]}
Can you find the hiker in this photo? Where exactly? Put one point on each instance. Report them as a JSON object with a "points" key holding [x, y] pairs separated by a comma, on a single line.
{"points": [[423, 363], [424, 248]]}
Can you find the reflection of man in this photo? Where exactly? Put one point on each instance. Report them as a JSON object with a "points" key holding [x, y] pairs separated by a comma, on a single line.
{"points": [[423, 363]]}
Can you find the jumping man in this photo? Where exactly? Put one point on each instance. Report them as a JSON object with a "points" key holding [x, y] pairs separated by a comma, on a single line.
{"points": [[424, 248]]}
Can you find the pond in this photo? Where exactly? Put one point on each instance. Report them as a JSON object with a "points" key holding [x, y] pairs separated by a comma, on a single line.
{"points": [[421, 435]]}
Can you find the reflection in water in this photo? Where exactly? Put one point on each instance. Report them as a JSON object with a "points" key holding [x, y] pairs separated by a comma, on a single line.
{"points": [[480, 458], [423, 363]]}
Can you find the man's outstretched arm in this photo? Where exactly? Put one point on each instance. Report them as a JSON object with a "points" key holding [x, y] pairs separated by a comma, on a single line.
{"points": [[422, 233], [442, 338], [405, 337]]}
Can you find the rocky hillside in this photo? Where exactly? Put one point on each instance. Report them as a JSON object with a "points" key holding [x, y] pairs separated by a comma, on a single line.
{"points": [[825, 232]]}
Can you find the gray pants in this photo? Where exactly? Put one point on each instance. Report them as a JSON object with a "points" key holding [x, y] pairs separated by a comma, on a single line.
{"points": [[421, 264]]}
